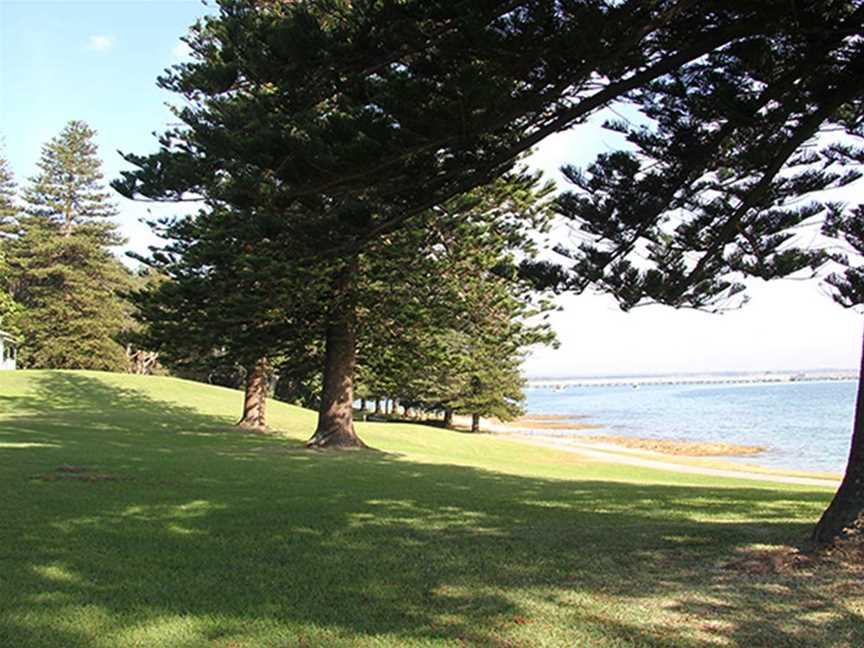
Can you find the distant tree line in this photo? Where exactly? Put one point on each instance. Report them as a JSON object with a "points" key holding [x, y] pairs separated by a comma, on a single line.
{"points": [[221, 304], [442, 316]]}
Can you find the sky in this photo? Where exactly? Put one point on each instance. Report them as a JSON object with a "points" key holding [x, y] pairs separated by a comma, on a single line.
{"points": [[98, 62]]}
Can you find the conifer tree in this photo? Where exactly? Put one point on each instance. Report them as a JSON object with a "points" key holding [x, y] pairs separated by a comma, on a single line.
{"points": [[61, 269], [453, 325], [731, 164], [8, 192], [8, 308], [495, 390], [223, 296], [351, 118], [845, 514], [68, 190], [8, 210]]}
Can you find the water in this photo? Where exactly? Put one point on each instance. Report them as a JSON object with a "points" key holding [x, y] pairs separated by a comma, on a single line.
{"points": [[802, 425]]}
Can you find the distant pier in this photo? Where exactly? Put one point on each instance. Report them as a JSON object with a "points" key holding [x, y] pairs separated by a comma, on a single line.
{"points": [[565, 383]]}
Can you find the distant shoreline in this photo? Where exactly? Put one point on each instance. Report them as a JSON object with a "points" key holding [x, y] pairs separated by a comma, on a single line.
{"points": [[822, 371], [539, 425], [770, 378], [781, 418]]}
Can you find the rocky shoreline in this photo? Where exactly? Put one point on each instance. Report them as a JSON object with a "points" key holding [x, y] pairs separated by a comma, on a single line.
{"points": [[537, 424]]}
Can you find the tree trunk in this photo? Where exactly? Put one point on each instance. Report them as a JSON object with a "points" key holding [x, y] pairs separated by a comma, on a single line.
{"points": [[255, 401], [336, 413], [475, 423], [363, 405], [847, 507], [68, 220], [141, 363], [448, 418], [378, 406]]}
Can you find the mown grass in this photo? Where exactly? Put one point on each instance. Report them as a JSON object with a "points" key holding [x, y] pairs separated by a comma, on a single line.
{"points": [[132, 513]]}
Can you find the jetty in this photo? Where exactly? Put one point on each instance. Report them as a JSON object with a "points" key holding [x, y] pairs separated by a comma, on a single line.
{"points": [[559, 384]]}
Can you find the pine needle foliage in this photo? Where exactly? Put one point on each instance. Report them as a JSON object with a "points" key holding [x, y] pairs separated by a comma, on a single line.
{"points": [[60, 266], [8, 210], [728, 177]]}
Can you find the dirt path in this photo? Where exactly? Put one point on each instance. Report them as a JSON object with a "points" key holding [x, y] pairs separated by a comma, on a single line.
{"points": [[628, 457]]}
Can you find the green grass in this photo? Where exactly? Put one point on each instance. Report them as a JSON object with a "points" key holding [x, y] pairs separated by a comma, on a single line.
{"points": [[187, 532]]}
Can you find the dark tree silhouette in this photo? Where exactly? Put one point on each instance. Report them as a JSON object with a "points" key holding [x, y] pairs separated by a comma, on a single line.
{"points": [[726, 169]]}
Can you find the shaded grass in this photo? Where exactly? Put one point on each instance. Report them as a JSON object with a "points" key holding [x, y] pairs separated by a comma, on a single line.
{"points": [[209, 536]]}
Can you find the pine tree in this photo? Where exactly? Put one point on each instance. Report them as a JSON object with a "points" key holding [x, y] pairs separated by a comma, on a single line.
{"points": [[223, 296], [8, 194], [68, 190], [8, 308], [846, 512], [61, 268], [732, 163], [352, 118], [453, 315], [8, 211]]}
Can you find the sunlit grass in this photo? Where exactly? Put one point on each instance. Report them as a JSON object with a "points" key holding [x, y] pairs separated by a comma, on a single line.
{"points": [[133, 513]]}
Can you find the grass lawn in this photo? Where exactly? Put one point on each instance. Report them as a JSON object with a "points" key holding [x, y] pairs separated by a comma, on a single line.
{"points": [[182, 531]]}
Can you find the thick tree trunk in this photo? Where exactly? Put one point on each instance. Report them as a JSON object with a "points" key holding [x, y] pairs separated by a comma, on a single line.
{"points": [[847, 508], [336, 413], [378, 406], [475, 423], [255, 401], [448, 418]]}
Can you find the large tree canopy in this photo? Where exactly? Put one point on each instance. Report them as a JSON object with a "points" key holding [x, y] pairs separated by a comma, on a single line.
{"points": [[351, 118], [737, 156], [736, 148], [366, 112]]}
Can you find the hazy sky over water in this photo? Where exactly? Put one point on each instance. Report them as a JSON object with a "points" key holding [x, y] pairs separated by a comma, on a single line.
{"points": [[98, 61], [788, 324]]}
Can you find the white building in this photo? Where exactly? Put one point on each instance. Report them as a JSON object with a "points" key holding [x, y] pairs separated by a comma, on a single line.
{"points": [[8, 351]]}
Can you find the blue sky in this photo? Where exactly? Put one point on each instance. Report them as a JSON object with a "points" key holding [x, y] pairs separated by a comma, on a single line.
{"points": [[93, 61], [98, 62]]}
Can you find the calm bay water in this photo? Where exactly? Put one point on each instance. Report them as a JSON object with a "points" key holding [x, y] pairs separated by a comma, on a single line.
{"points": [[802, 425]]}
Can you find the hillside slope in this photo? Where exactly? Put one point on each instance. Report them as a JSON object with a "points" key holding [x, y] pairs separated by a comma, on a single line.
{"points": [[134, 514]]}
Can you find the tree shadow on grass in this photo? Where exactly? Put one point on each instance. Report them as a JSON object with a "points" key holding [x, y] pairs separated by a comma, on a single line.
{"points": [[69, 410], [68, 396], [230, 542]]}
